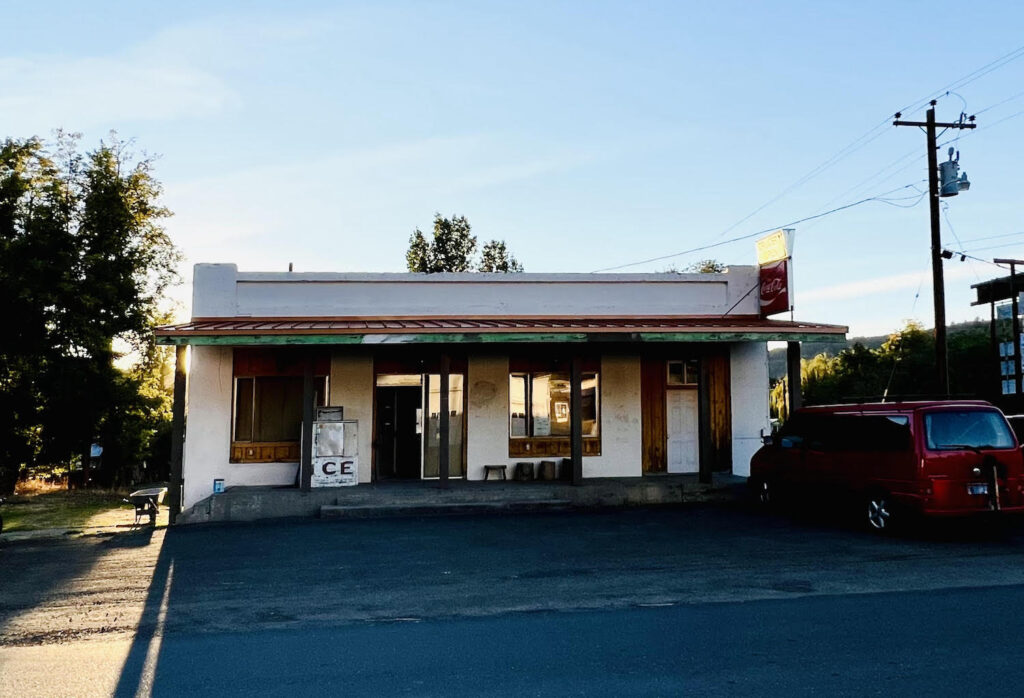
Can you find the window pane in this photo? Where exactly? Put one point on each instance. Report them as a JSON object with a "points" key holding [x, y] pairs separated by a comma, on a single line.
{"points": [[517, 405], [278, 413], [590, 406], [692, 372], [676, 376], [550, 404], [976, 429], [243, 409]]}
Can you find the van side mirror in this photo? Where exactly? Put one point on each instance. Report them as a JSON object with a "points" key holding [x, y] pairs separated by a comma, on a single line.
{"points": [[767, 439]]}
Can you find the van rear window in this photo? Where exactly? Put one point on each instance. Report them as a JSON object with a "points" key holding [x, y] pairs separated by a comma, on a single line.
{"points": [[953, 429]]}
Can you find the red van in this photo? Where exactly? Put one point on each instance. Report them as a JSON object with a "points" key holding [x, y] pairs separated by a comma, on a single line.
{"points": [[932, 458]]}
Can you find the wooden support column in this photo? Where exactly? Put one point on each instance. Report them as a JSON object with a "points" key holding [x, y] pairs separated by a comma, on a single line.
{"points": [[576, 419], [444, 423], [793, 396], [177, 482], [705, 446], [308, 397]]}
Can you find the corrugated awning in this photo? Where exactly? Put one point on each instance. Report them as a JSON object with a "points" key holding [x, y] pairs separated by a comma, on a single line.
{"points": [[411, 330]]}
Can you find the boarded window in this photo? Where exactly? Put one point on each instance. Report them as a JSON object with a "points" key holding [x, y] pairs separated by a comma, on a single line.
{"points": [[269, 408]]}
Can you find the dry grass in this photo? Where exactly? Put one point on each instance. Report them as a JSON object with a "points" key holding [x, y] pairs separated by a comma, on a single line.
{"points": [[38, 505], [30, 488]]}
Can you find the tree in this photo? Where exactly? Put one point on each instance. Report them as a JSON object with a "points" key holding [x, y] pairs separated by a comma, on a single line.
{"points": [[452, 249], [84, 263], [704, 266], [902, 367], [495, 257]]}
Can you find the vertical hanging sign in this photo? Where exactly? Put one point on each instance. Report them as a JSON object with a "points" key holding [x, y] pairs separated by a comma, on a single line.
{"points": [[774, 260]]}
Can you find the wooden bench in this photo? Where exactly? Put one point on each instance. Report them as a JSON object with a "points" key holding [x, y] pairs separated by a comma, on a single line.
{"points": [[499, 469]]}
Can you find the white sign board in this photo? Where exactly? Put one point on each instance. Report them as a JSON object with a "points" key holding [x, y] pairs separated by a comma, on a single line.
{"points": [[332, 471], [335, 454]]}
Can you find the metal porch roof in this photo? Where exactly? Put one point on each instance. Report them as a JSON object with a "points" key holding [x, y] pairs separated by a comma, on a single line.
{"points": [[495, 329]]}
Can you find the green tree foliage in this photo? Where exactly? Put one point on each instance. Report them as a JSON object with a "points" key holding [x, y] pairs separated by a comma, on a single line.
{"points": [[452, 248], [703, 266], [706, 266], [84, 263], [902, 367], [495, 257]]}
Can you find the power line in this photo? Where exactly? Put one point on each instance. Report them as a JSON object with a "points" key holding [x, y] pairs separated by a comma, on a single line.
{"points": [[999, 104], [996, 247], [993, 237], [861, 141], [878, 197]]}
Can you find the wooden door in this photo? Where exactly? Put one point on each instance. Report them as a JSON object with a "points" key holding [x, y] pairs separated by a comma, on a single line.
{"points": [[652, 414]]}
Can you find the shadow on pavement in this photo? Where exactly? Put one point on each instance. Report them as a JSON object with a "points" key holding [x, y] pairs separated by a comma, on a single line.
{"points": [[240, 580]]}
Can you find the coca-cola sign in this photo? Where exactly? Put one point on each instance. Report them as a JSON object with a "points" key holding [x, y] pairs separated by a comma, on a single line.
{"points": [[775, 288]]}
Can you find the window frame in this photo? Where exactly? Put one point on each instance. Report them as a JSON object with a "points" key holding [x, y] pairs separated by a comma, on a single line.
{"points": [[530, 445]]}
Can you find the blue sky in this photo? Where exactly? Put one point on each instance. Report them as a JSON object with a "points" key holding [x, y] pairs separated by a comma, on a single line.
{"points": [[586, 135]]}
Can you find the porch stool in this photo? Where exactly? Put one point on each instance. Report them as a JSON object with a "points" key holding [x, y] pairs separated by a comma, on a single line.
{"points": [[499, 469], [548, 470], [524, 471]]}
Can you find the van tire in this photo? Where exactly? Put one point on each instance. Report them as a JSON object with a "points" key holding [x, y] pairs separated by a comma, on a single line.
{"points": [[878, 512]]}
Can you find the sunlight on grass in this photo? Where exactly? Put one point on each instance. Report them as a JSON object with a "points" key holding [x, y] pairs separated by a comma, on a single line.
{"points": [[38, 505]]}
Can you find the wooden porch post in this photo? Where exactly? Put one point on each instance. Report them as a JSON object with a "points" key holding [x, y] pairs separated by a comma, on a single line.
{"points": [[794, 396], [576, 419], [444, 422], [308, 397], [177, 483], [705, 447]]}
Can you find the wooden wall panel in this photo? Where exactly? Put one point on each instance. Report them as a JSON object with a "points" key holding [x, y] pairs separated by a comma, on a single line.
{"points": [[652, 415], [541, 446], [721, 411]]}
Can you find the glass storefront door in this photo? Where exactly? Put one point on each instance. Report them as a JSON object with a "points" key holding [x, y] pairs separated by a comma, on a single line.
{"points": [[432, 430]]}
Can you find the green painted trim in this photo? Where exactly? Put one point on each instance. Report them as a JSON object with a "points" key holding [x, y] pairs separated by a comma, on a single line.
{"points": [[491, 338]]}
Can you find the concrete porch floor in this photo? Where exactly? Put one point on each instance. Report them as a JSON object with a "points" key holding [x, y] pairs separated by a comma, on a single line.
{"points": [[427, 498]]}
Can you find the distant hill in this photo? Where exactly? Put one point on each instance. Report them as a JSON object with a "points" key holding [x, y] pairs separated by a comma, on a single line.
{"points": [[808, 350]]}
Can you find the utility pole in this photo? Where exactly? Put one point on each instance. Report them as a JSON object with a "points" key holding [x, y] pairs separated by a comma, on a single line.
{"points": [[938, 285]]}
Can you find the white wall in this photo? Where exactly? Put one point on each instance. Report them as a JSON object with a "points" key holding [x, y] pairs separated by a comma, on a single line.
{"points": [[221, 291], [208, 431], [487, 423], [621, 433], [351, 386], [750, 415]]}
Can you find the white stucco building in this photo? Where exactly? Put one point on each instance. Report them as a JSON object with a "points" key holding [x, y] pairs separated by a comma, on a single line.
{"points": [[644, 373]]}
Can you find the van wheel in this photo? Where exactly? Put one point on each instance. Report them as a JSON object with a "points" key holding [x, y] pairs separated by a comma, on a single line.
{"points": [[879, 512]]}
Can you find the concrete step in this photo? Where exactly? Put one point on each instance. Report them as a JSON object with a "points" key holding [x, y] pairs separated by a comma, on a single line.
{"points": [[375, 511]]}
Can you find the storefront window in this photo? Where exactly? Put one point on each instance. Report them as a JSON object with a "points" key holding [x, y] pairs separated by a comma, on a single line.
{"points": [[539, 404]]}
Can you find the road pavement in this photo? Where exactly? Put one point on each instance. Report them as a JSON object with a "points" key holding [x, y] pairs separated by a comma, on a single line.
{"points": [[720, 600]]}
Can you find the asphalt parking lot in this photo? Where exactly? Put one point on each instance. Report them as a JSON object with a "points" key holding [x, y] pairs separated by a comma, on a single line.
{"points": [[295, 574]]}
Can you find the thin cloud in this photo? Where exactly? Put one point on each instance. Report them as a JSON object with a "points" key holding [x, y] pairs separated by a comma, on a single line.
{"points": [[81, 93], [878, 285]]}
